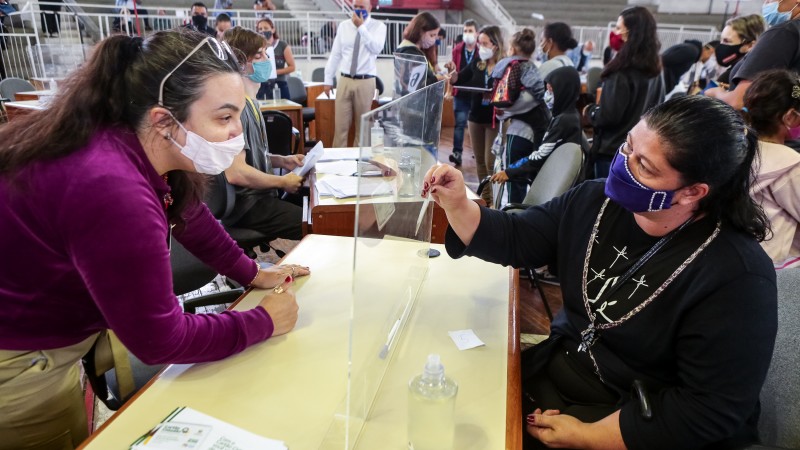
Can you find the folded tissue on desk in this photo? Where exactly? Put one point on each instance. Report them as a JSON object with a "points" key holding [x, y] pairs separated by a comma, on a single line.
{"points": [[186, 428]]}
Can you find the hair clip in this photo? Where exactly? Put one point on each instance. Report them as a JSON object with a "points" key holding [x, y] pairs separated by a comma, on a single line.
{"points": [[795, 91]]}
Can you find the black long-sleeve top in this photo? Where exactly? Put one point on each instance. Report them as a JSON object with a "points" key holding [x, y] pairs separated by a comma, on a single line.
{"points": [[625, 97], [706, 340], [480, 111]]}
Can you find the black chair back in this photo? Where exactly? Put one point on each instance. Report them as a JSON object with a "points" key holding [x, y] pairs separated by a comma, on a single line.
{"points": [[221, 197], [279, 132], [379, 85], [318, 74], [297, 91]]}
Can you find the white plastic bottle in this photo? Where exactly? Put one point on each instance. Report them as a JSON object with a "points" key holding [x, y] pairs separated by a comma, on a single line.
{"points": [[376, 138], [431, 408], [276, 92]]}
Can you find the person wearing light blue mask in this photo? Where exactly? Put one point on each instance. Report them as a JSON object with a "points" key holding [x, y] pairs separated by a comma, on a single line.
{"points": [[771, 10], [258, 190]]}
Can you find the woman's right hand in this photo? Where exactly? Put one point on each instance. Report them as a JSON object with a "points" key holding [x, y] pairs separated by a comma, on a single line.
{"points": [[282, 308], [445, 184]]}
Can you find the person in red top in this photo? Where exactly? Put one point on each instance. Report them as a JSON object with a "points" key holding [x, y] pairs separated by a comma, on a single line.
{"points": [[463, 53]]}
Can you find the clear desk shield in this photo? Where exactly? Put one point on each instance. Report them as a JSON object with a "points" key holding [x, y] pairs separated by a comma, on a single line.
{"points": [[393, 232], [409, 74]]}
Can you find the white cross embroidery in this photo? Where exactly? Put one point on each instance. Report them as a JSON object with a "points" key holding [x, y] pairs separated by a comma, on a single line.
{"points": [[623, 253], [639, 282], [601, 275]]}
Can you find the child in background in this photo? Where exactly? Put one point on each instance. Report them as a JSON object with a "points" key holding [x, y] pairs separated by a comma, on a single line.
{"points": [[563, 88], [528, 114], [772, 106]]}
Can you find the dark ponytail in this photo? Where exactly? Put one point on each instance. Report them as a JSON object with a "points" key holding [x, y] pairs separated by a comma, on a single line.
{"points": [[116, 88], [726, 161], [769, 97], [561, 34]]}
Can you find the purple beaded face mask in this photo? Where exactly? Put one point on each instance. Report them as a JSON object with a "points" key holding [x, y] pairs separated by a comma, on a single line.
{"points": [[622, 188]]}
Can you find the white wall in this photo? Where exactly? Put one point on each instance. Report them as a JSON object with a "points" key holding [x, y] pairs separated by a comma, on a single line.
{"points": [[702, 6]]}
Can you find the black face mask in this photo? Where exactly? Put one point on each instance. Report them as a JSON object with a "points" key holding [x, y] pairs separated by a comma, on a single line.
{"points": [[728, 54], [199, 21], [267, 35]]}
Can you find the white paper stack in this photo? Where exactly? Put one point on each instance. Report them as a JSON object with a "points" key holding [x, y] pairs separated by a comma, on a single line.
{"points": [[344, 168], [337, 154], [186, 428], [344, 187]]}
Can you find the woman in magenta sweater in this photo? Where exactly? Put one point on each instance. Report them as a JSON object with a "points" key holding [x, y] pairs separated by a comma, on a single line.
{"points": [[90, 190]]}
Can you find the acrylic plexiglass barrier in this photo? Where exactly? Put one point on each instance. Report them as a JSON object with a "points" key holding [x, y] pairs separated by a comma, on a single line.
{"points": [[393, 234]]}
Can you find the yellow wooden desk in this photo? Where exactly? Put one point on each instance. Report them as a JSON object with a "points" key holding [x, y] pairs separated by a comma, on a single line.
{"points": [[15, 110], [289, 387], [33, 95]]}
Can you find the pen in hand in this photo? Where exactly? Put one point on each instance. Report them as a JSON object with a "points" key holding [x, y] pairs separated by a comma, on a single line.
{"points": [[281, 288]]}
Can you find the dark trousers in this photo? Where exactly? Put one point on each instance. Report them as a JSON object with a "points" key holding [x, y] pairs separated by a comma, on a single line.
{"points": [[51, 21], [567, 385], [273, 217], [461, 111], [516, 149], [602, 164]]}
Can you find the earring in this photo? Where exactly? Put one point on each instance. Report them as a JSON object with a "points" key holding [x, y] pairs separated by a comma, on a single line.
{"points": [[167, 136]]}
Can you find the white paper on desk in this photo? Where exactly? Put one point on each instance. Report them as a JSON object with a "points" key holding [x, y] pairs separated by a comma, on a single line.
{"points": [[186, 428], [345, 168], [310, 160], [336, 154], [344, 187], [465, 339]]}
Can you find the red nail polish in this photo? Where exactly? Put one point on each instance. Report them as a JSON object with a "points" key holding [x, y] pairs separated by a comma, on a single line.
{"points": [[425, 186], [288, 279], [433, 180]]}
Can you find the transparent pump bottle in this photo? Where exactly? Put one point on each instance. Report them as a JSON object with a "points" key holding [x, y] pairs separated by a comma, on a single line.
{"points": [[431, 408]]}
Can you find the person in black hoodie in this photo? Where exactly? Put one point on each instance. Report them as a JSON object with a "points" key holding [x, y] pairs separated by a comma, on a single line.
{"points": [[631, 84], [563, 88]]}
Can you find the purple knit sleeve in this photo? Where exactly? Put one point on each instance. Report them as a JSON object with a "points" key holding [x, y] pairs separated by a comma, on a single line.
{"points": [[205, 238], [116, 235]]}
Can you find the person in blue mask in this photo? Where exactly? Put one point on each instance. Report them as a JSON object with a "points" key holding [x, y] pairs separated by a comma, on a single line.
{"points": [[666, 289], [776, 12], [258, 205], [353, 64]]}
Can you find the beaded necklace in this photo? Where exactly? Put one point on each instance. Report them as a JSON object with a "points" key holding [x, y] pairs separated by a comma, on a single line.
{"points": [[592, 332]]}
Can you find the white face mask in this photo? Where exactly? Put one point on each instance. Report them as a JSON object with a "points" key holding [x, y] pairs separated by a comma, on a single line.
{"points": [[428, 42], [469, 38], [485, 53], [210, 158], [548, 99]]}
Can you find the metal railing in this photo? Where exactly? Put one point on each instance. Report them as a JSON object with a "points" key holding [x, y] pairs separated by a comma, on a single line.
{"points": [[29, 53]]}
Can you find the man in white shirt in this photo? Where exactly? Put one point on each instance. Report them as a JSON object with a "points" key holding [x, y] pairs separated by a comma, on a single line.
{"points": [[355, 49]]}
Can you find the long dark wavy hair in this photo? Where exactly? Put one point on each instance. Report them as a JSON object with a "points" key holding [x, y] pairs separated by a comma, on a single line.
{"points": [[723, 160], [641, 50], [116, 88]]}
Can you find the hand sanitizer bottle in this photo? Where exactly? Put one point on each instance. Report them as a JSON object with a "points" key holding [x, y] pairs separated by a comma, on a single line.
{"points": [[431, 408], [276, 92], [376, 138]]}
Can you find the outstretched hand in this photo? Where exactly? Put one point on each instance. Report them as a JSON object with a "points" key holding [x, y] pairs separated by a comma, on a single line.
{"points": [[445, 184]]}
